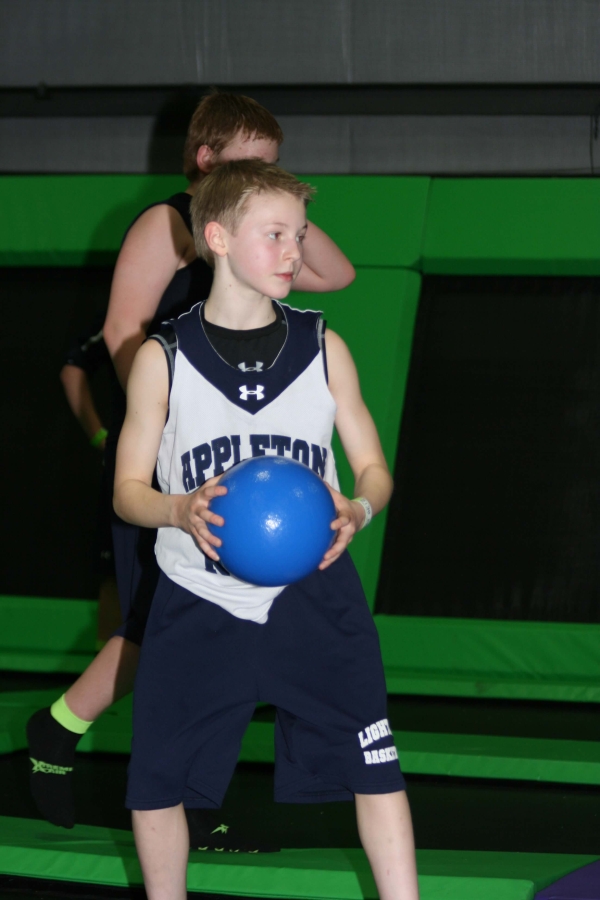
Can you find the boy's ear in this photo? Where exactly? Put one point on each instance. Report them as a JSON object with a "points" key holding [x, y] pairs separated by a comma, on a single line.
{"points": [[216, 238], [205, 158]]}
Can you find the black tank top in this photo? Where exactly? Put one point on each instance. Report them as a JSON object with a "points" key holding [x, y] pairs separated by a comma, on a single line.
{"points": [[188, 285]]}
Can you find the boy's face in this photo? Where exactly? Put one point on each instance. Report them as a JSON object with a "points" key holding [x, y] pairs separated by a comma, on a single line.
{"points": [[265, 253]]}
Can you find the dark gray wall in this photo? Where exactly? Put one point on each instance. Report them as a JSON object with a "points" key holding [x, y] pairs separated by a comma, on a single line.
{"points": [[317, 144], [130, 44], [126, 42]]}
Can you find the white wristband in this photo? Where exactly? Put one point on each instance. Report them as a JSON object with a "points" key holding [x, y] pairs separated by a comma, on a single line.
{"points": [[367, 508]]}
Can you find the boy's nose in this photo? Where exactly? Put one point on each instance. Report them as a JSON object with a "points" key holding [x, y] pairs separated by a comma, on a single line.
{"points": [[293, 250]]}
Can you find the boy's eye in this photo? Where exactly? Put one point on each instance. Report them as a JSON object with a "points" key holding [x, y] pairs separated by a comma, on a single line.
{"points": [[274, 235], [301, 238]]}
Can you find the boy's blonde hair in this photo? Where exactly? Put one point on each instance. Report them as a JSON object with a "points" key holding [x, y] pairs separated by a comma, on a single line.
{"points": [[223, 196], [216, 121]]}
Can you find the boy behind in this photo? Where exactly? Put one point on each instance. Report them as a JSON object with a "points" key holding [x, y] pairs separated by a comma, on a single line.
{"points": [[159, 276], [214, 645]]}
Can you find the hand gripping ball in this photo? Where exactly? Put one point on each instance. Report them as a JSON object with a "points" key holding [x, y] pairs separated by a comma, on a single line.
{"points": [[278, 516]]}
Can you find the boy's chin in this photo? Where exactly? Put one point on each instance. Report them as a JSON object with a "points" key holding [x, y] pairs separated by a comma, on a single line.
{"points": [[274, 289], [282, 290]]}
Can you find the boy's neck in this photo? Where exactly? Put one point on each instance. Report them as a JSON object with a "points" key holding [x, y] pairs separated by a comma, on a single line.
{"points": [[230, 306]]}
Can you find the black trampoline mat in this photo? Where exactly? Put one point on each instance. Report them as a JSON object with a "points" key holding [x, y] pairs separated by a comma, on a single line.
{"points": [[44, 310], [496, 512], [449, 813]]}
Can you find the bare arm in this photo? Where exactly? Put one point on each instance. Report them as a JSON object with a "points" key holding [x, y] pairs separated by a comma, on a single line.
{"points": [[135, 499], [155, 248], [324, 267], [79, 397], [361, 444]]}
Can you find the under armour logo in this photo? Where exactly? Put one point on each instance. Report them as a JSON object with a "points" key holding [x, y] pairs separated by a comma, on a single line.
{"points": [[257, 368], [259, 393]]}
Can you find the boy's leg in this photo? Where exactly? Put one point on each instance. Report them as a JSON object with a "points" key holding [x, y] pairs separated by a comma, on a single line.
{"points": [[162, 842], [385, 829], [190, 712], [108, 678], [53, 733]]}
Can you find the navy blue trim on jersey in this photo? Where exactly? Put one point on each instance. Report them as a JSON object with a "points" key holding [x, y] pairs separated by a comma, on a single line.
{"points": [[167, 339], [251, 391], [321, 329]]}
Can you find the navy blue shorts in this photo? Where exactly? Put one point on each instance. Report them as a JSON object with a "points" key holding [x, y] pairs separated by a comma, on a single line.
{"points": [[137, 574], [135, 565], [202, 671]]}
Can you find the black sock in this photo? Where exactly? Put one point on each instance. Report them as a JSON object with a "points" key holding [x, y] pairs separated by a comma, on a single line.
{"points": [[52, 756], [209, 831]]}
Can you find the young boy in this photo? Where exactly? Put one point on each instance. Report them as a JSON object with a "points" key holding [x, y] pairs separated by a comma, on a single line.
{"points": [[215, 646], [158, 275]]}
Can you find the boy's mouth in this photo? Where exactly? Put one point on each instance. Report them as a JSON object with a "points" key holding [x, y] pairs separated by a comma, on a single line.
{"points": [[285, 276]]}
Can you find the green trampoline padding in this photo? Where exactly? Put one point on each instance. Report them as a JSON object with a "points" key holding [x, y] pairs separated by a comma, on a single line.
{"points": [[46, 634], [423, 753], [515, 226], [491, 658], [512, 226], [35, 849], [79, 220]]}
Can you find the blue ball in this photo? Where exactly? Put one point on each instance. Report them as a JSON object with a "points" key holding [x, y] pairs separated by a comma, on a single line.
{"points": [[278, 516]]}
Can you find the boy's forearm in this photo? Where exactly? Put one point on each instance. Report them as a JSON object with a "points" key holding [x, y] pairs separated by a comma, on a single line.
{"points": [[79, 397], [376, 485], [140, 504], [324, 267]]}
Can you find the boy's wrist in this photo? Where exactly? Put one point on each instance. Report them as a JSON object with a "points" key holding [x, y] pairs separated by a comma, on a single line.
{"points": [[176, 517], [98, 438], [367, 510]]}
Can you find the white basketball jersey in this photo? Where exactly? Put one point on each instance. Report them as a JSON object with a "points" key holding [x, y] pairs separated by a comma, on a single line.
{"points": [[219, 415]]}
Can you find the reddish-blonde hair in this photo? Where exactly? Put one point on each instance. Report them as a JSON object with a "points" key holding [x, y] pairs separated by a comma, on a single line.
{"points": [[217, 119]]}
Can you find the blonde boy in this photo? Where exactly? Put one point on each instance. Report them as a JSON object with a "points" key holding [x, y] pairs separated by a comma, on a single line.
{"points": [[215, 646]]}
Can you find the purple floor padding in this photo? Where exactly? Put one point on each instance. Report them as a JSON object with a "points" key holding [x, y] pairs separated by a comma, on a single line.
{"points": [[583, 884]]}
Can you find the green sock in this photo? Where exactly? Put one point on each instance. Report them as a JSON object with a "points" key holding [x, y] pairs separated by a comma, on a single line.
{"points": [[63, 715]]}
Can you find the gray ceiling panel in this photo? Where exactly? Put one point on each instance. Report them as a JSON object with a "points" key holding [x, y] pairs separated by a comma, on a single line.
{"points": [[124, 42], [316, 143], [451, 145], [162, 42], [465, 145], [86, 42], [100, 144], [270, 42], [494, 41]]}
